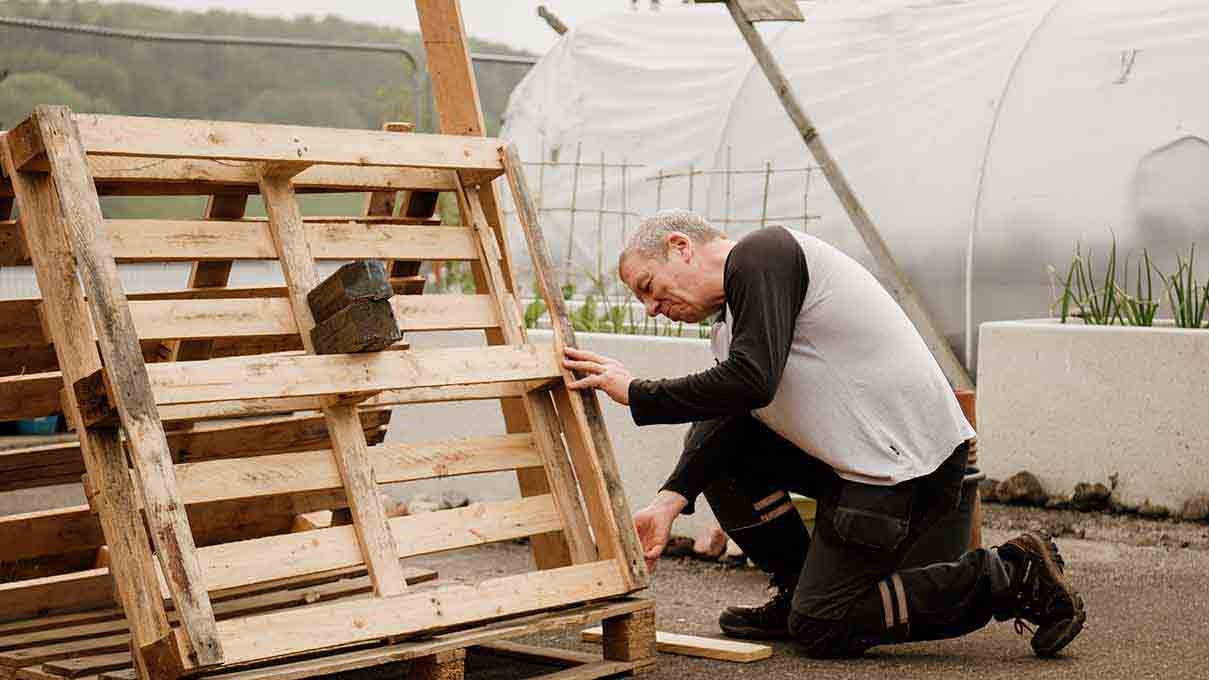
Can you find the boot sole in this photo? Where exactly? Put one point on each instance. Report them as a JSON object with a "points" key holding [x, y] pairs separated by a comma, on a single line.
{"points": [[1061, 634]]}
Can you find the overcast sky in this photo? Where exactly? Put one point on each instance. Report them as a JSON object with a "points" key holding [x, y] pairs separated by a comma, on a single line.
{"points": [[509, 21]]}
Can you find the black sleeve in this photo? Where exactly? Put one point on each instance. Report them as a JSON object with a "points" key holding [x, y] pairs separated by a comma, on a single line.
{"points": [[765, 284]]}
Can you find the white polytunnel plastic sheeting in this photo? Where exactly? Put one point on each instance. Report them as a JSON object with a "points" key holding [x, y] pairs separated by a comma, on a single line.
{"points": [[985, 137]]}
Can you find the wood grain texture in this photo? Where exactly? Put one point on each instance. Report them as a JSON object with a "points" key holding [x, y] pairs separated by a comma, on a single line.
{"points": [[220, 140], [123, 361], [363, 326], [296, 554], [209, 274], [592, 450], [132, 563], [456, 96], [135, 175], [697, 646], [276, 377], [349, 448], [280, 633], [542, 416]]}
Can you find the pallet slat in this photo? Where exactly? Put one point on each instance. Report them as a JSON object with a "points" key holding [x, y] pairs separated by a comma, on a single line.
{"points": [[280, 633], [274, 377], [243, 563]]}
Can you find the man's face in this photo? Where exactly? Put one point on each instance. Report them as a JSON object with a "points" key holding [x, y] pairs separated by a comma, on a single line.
{"points": [[672, 287]]}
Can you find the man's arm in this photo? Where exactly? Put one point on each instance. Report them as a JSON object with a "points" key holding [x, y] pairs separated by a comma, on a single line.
{"points": [[765, 283]]}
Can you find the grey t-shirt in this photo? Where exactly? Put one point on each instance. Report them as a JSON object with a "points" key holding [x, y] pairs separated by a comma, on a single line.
{"points": [[811, 345]]}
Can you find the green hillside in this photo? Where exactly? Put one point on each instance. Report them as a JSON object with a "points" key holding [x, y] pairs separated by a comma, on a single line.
{"points": [[315, 87]]}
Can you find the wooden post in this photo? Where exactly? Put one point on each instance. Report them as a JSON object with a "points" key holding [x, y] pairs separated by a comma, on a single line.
{"points": [[349, 447], [538, 408], [123, 363], [899, 286], [210, 274], [457, 102], [422, 204], [580, 410]]}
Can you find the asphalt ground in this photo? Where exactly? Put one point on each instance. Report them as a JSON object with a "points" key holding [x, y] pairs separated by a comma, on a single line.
{"points": [[1148, 613]]}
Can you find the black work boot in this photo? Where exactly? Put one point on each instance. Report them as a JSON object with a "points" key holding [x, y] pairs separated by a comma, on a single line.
{"points": [[769, 621], [1041, 594]]}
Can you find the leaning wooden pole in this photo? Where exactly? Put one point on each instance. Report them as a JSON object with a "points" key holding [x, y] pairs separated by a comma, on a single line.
{"points": [[897, 281]]}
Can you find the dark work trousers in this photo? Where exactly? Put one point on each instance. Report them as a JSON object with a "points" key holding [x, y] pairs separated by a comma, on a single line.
{"points": [[853, 590]]}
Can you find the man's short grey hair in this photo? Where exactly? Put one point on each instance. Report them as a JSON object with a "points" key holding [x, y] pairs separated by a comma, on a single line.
{"points": [[650, 240]]}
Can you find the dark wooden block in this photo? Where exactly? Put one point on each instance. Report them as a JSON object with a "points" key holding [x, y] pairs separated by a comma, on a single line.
{"points": [[93, 396], [359, 280], [363, 326]]}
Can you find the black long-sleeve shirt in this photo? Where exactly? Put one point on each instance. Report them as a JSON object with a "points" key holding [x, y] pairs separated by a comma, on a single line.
{"points": [[764, 283]]}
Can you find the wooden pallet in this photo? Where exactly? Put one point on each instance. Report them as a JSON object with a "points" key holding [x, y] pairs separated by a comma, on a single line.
{"points": [[571, 506], [96, 645]]}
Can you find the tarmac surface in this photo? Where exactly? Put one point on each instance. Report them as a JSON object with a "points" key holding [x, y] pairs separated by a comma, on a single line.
{"points": [[1148, 615]]}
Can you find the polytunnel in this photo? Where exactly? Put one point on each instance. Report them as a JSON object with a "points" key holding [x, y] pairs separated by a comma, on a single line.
{"points": [[986, 137]]}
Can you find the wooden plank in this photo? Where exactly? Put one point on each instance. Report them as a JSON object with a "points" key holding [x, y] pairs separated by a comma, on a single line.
{"points": [[68, 318], [219, 140], [168, 240], [251, 317], [383, 203], [23, 467], [50, 645], [123, 362], [12, 244], [209, 274], [30, 396], [273, 377], [134, 175], [204, 240], [315, 471], [589, 443], [377, 545], [336, 624], [543, 418], [235, 564], [403, 651], [695, 645], [456, 96], [90, 665], [311, 475]]}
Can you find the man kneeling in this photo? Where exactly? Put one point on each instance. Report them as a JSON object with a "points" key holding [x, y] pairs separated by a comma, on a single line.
{"points": [[822, 387]]}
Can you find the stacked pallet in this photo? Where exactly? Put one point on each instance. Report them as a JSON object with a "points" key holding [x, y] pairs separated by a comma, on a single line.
{"points": [[149, 512]]}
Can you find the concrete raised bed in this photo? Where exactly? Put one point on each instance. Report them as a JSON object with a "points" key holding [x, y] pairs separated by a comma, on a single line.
{"points": [[1075, 403]]}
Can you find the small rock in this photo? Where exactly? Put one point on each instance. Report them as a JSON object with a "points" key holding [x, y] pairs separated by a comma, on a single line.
{"points": [[1022, 488], [710, 543], [1195, 508], [1057, 503], [678, 546], [987, 488], [454, 499], [423, 503], [1090, 497], [1153, 511]]}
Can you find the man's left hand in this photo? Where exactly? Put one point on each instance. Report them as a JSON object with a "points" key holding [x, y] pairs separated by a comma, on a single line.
{"points": [[602, 373]]}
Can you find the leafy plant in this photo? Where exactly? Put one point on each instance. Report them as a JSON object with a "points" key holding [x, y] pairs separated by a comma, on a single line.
{"points": [[1095, 305], [1187, 297], [534, 311], [1139, 309]]}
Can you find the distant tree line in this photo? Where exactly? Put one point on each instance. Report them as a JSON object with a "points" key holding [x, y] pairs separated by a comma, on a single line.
{"points": [[309, 87]]}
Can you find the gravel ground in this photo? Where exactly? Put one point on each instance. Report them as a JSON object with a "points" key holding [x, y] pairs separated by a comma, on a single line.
{"points": [[1145, 582]]}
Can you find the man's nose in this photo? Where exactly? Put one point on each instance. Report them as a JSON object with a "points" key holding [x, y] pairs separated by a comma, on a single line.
{"points": [[652, 307]]}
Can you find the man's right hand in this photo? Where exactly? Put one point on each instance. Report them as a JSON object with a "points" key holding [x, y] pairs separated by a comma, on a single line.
{"points": [[654, 524]]}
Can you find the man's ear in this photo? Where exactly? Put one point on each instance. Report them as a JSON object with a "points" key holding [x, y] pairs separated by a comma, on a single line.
{"points": [[680, 244]]}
